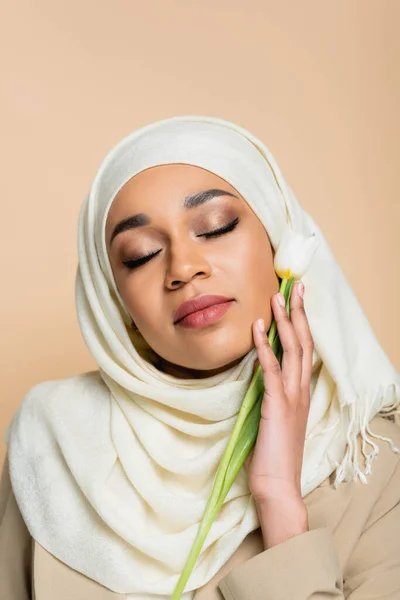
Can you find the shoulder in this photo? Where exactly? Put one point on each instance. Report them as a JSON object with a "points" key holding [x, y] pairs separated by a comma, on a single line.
{"points": [[83, 392], [76, 407], [58, 423], [45, 393]]}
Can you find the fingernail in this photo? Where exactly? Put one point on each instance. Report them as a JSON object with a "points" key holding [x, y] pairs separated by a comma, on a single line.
{"points": [[300, 289], [261, 325], [281, 299]]}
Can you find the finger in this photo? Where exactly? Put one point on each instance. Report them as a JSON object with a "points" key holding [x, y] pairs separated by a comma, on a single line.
{"points": [[270, 366], [303, 332], [256, 363], [292, 351]]}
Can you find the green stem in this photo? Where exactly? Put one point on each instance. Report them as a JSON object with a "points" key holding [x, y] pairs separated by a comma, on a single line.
{"points": [[244, 446]]}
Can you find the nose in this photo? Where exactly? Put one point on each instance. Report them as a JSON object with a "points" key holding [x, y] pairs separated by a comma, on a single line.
{"points": [[187, 259]]}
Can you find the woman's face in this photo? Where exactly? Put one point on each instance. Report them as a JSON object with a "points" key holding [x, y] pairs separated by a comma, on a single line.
{"points": [[237, 264]]}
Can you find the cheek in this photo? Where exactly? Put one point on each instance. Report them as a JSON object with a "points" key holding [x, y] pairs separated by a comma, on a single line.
{"points": [[253, 254], [142, 300], [254, 264]]}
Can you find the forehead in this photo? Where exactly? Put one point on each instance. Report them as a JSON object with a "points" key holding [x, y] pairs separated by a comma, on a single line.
{"points": [[161, 184]]}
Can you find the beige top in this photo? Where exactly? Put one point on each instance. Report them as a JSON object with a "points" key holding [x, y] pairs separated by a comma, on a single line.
{"points": [[351, 551]]}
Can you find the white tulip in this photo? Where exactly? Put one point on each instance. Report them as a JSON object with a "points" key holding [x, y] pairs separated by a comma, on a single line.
{"points": [[294, 254]]}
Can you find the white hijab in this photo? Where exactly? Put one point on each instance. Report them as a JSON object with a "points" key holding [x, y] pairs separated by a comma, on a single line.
{"points": [[112, 468]]}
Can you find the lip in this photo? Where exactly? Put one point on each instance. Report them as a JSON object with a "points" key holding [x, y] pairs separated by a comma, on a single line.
{"points": [[199, 304], [202, 318]]}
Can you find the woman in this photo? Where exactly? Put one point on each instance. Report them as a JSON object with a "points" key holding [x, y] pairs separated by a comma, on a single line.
{"points": [[108, 472]]}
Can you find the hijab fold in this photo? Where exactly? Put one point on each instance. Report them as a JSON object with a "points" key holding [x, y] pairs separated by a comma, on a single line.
{"points": [[112, 468]]}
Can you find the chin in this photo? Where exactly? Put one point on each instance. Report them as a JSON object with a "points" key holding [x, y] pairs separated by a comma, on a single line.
{"points": [[212, 364]]}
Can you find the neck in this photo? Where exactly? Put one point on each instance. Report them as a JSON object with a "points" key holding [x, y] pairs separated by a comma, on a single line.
{"points": [[185, 373]]}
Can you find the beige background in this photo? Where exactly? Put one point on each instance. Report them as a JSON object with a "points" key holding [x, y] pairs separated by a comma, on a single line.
{"points": [[318, 81]]}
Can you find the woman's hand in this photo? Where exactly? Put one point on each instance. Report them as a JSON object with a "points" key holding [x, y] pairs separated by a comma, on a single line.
{"points": [[275, 463]]}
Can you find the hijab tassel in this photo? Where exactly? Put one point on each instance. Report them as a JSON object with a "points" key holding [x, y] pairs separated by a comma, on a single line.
{"points": [[359, 422]]}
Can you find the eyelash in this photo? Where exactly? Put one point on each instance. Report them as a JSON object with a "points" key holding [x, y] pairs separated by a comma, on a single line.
{"points": [[133, 264]]}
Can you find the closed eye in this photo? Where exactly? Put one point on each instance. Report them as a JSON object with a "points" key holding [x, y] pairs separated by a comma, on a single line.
{"points": [[221, 230], [133, 264]]}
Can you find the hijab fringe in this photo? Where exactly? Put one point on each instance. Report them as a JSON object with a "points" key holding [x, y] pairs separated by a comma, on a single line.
{"points": [[359, 413]]}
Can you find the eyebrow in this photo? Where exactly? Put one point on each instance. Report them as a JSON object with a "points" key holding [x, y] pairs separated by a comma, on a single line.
{"points": [[191, 201]]}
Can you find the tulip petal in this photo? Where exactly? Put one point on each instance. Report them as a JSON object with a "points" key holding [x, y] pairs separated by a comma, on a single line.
{"points": [[294, 254]]}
